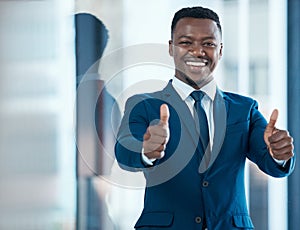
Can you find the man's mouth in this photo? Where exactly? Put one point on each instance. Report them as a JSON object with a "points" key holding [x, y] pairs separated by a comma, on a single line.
{"points": [[201, 63]]}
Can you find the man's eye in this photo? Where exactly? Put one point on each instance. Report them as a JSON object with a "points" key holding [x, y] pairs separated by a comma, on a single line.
{"points": [[209, 44], [185, 43]]}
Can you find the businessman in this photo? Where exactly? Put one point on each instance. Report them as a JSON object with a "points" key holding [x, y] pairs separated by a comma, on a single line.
{"points": [[191, 139]]}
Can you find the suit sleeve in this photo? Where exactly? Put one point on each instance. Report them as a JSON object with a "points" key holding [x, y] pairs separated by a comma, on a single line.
{"points": [[258, 152], [130, 136]]}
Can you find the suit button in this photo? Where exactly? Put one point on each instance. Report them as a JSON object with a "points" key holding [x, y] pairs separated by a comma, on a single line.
{"points": [[198, 219], [205, 184]]}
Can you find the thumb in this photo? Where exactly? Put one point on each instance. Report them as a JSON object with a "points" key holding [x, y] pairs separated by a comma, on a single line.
{"points": [[273, 119], [271, 126], [164, 114]]}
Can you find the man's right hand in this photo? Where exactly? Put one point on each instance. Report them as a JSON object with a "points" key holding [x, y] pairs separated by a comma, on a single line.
{"points": [[157, 136]]}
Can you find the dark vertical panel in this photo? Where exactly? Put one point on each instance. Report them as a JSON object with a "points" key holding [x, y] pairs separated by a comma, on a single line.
{"points": [[294, 108]]}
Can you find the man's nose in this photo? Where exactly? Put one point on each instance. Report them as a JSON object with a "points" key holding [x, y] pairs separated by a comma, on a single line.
{"points": [[197, 50]]}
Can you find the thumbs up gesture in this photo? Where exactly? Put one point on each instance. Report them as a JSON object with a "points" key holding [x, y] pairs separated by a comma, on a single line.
{"points": [[279, 142], [157, 136]]}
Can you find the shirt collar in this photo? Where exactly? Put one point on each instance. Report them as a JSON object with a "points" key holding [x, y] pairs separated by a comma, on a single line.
{"points": [[184, 90]]}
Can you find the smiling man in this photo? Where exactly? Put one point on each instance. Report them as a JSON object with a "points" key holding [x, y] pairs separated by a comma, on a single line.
{"points": [[191, 139], [197, 48]]}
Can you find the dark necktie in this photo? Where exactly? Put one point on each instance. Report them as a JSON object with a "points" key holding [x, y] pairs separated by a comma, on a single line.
{"points": [[202, 125]]}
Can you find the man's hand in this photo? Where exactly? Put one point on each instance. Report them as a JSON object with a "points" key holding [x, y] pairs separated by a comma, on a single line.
{"points": [[157, 136], [279, 142]]}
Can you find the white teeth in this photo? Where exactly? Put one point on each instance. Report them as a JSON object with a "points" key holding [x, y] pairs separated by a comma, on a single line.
{"points": [[196, 63]]}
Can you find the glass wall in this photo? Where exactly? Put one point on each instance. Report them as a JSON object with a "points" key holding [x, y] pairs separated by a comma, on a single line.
{"points": [[136, 60]]}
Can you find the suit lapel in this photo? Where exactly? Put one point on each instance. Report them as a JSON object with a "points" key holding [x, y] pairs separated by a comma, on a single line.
{"points": [[220, 122], [171, 97]]}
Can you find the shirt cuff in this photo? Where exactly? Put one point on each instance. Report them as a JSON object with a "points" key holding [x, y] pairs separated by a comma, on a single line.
{"points": [[280, 162], [146, 160]]}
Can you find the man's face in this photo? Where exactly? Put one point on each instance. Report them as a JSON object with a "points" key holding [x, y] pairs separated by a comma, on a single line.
{"points": [[196, 48]]}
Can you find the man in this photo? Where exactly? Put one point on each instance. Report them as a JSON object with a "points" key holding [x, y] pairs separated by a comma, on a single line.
{"points": [[193, 150]]}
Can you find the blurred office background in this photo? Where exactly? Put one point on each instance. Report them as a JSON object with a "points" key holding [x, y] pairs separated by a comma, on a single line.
{"points": [[51, 175]]}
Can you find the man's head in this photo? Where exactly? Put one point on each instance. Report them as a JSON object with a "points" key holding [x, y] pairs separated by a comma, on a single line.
{"points": [[196, 45]]}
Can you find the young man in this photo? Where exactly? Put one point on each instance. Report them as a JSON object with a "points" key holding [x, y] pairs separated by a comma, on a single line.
{"points": [[193, 156]]}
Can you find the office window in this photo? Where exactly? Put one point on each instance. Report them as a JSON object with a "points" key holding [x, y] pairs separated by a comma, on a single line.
{"points": [[37, 100]]}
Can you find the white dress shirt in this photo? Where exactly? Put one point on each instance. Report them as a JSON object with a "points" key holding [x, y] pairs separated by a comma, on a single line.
{"points": [[184, 92]]}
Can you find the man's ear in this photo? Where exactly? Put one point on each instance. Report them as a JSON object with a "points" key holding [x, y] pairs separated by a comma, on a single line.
{"points": [[221, 51], [171, 48]]}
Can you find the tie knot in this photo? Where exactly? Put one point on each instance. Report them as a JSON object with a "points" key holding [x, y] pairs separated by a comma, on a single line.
{"points": [[197, 95]]}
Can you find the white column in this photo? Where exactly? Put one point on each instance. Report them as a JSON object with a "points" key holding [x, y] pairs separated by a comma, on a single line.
{"points": [[243, 65], [243, 43], [277, 204]]}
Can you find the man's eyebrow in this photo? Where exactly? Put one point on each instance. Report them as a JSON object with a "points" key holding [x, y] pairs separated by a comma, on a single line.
{"points": [[204, 38], [184, 36]]}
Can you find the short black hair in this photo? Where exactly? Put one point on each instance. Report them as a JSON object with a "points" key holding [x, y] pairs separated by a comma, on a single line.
{"points": [[195, 12]]}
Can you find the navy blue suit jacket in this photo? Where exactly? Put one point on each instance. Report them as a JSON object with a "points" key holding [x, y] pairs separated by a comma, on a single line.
{"points": [[180, 191]]}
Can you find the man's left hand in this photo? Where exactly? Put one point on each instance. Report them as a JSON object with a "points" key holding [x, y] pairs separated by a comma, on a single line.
{"points": [[279, 142]]}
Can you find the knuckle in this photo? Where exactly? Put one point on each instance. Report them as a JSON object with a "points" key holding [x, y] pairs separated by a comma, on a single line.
{"points": [[275, 152]]}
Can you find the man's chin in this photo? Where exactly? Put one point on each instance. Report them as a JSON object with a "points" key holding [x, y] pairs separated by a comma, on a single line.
{"points": [[197, 77], [199, 81]]}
